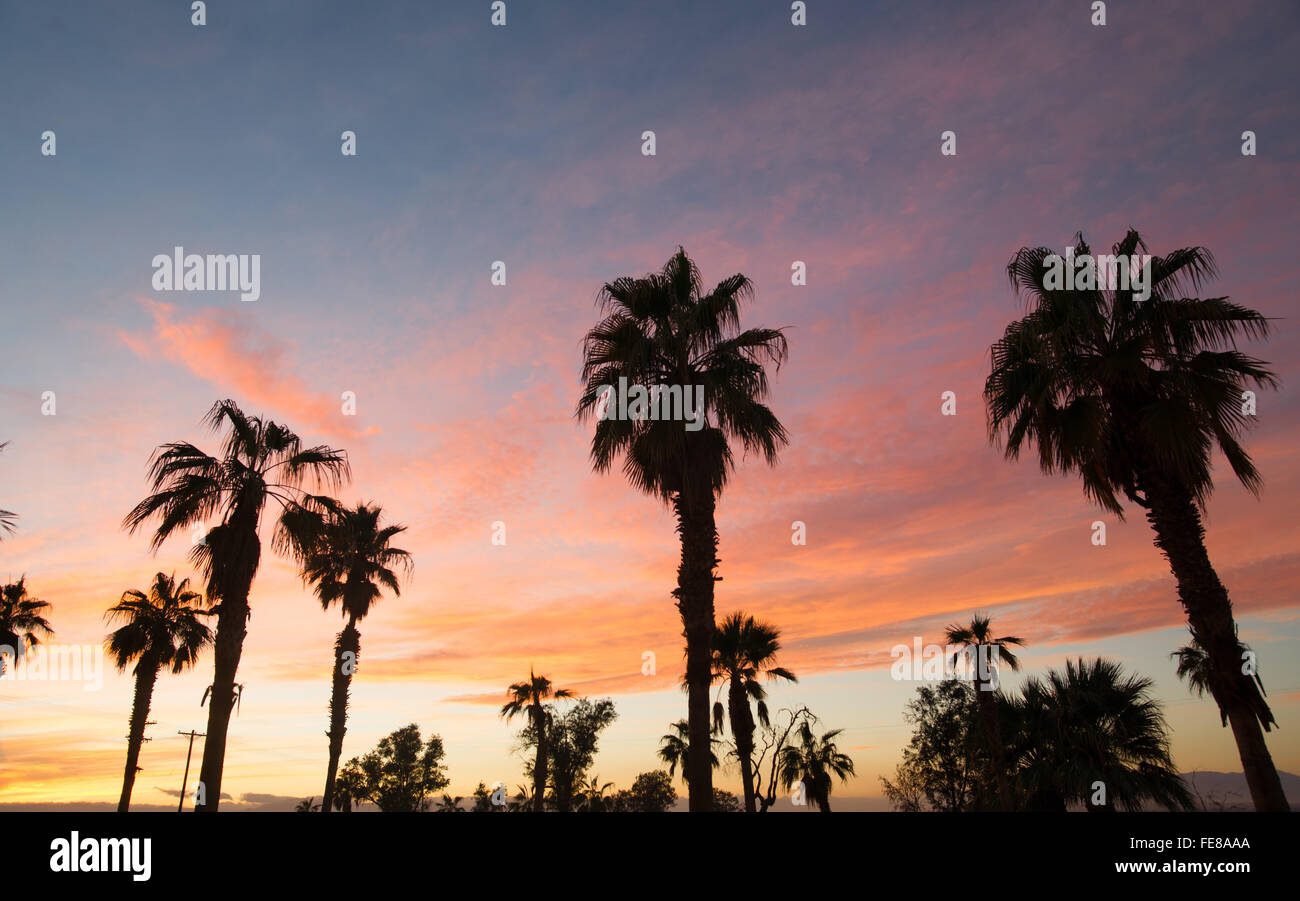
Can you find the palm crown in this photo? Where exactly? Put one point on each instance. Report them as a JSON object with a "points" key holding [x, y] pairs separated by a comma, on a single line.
{"points": [[530, 695], [1105, 384], [260, 461], [21, 621], [1090, 722], [744, 651], [345, 553], [674, 747], [162, 627], [814, 760], [660, 329], [979, 634]]}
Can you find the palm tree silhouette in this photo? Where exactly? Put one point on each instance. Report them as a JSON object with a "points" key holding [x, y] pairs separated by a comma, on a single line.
{"points": [[989, 653], [814, 761], [744, 650], [1194, 668], [261, 462], [346, 554], [22, 624], [675, 748], [160, 629], [530, 696], [661, 329], [1091, 728], [1134, 396], [594, 795], [448, 804], [349, 786]]}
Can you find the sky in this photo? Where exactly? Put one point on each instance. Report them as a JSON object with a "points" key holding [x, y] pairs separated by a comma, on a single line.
{"points": [[523, 144]]}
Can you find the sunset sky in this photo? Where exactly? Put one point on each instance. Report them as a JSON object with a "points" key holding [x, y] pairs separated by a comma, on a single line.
{"points": [[523, 144]]}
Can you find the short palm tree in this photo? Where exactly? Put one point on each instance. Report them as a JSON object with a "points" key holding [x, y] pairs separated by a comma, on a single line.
{"points": [[1096, 737], [261, 462], [307, 805], [448, 804], [346, 555], [594, 794], [675, 748], [22, 620], [744, 652], [530, 696], [662, 330], [159, 630], [349, 786], [1135, 396], [814, 761], [1194, 668], [977, 639]]}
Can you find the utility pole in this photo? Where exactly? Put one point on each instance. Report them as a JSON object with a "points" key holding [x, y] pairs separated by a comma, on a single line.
{"points": [[180, 805]]}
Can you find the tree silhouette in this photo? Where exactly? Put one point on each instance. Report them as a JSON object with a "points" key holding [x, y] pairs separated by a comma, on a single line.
{"points": [[158, 630], [1134, 396], [663, 330]]}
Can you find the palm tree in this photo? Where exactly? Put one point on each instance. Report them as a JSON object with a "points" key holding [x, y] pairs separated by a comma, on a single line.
{"points": [[531, 696], [1194, 667], [349, 786], [594, 795], [814, 761], [22, 624], [158, 630], [448, 804], [345, 553], [989, 652], [662, 330], [307, 805], [261, 462], [7, 519], [1092, 727], [744, 650], [1134, 396], [675, 748]]}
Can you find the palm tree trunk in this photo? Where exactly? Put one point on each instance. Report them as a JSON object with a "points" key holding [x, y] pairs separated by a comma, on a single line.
{"points": [[699, 535], [227, 648], [1180, 534], [742, 730], [539, 765], [146, 674], [993, 735], [348, 642]]}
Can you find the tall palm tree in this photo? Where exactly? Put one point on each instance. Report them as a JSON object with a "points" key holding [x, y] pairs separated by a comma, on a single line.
{"points": [[814, 761], [1092, 725], [346, 554], [160, 629], [1134, 396], [977, 638], [261, 462], [662, 329], [744, 651], [675, 748], [22, 623], [530, 696], [8, 519]]}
